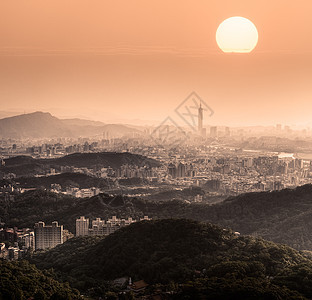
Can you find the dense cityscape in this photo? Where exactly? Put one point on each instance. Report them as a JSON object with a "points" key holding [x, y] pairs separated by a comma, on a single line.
{"points": [[205, 163], [227, 163]]}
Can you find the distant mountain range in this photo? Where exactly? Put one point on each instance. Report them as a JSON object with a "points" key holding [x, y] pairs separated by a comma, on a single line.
{"points": [[44, 125], [81, 122]]}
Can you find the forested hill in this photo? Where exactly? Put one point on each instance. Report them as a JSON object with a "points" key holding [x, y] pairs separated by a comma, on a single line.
{"points": [[112, 159], [206, 260], [80, 180], [284, 216], [27, 166], [20, 280]]}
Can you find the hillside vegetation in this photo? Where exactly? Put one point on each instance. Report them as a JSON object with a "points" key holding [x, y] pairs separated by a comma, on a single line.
{"points": [[204, 259], [20, 280], [28, 166], [283, 217], [79, 180]]}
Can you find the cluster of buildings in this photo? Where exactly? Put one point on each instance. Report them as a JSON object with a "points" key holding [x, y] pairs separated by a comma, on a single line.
{"points": [[130, 171], [49, 236], [102, 227], [55, 149], [20, 241], [75, 191], [233, 173], [43, 236], [181, 170]]}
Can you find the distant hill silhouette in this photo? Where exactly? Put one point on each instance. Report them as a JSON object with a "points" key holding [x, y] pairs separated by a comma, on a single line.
{"points": [[207, 261], [44, 125], [28, 166], [81, 122], [33, 125]]}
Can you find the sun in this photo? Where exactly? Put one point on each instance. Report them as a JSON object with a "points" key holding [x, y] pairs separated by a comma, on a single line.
{"points": [[237, 35]]}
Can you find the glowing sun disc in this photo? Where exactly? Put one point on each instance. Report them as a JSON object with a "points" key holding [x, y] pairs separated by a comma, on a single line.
{"points": [[237, 34]]}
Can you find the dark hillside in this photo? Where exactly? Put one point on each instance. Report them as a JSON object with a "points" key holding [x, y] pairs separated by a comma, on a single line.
{"points": [[20, 280], [82, 181], [27, 166], [167, 251]]}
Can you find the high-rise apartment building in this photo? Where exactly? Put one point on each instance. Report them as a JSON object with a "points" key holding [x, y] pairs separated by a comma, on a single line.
{"points": [[82, 226], [48, 236]]}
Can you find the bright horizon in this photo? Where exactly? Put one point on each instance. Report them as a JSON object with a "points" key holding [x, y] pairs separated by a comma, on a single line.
{"points": [[136, 60]]}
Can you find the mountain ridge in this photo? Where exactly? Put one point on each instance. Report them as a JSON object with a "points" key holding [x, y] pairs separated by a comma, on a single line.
{"points": [[44, 125]]}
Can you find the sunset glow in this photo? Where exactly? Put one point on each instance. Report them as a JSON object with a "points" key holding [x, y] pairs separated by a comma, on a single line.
{"points": [[74, 59], [237, 34]]}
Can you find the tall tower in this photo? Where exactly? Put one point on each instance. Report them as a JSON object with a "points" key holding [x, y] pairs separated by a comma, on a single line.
{"points": [[200, 119]]}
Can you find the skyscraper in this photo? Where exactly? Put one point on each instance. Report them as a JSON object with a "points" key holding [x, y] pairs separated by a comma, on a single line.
{"points": [[200, 119]]}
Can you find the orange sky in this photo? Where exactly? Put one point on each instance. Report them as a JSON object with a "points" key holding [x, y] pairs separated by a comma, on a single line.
{"points": [[139, 59]]}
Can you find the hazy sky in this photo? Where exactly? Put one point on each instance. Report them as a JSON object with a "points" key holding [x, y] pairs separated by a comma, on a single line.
{"points": [[138, 59]]}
